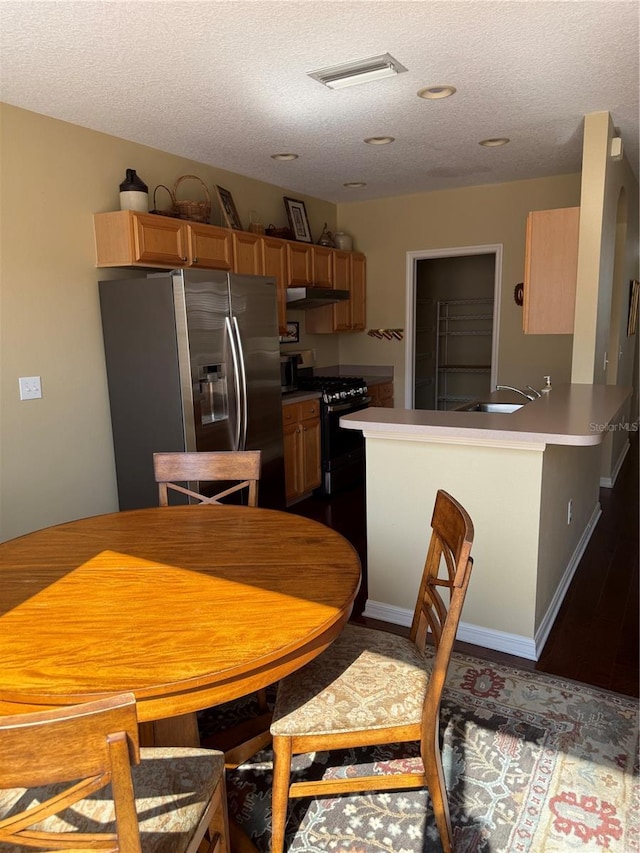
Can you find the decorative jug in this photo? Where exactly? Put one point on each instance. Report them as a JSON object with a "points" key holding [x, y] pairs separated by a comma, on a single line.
{"points": [[134, 193], [343, 241]]}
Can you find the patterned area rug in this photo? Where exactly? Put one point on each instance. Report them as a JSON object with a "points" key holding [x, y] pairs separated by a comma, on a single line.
{"points": [[533, 764]]}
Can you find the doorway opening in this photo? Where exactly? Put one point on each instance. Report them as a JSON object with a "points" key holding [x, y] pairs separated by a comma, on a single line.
{"points": [[453, 303]]}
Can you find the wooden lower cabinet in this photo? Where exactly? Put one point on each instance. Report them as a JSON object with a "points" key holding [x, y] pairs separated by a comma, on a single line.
{"points": [[381, 395], [301, 435]]}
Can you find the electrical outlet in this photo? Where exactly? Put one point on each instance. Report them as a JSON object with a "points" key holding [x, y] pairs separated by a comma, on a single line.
{"points": [[569, 511], [30, 387]]}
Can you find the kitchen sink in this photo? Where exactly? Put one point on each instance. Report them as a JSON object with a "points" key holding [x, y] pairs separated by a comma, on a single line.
{"points": [[493, 408]]}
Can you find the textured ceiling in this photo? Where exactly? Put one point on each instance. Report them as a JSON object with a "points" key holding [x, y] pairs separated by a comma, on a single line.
{"points": [[225, 82]]}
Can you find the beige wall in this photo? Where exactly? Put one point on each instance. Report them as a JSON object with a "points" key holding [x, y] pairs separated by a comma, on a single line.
{"points": [[569, 474], [387, 229], [500, 488], [607, 261], [609, 202], [57, 457], [523, 549]]}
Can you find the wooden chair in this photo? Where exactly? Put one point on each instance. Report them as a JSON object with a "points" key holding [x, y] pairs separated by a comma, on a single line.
{"points": [[170, 800], [372, 687], [243, 741], [172, 469]]}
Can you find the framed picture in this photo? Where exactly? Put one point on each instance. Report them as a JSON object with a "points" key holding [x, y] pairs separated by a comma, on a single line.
{"points": [[228, 208], [292, 335], [634, 297], [297, 214]]}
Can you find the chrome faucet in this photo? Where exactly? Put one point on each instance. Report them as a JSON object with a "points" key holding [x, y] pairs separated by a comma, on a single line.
{"points": [[518, 391]]}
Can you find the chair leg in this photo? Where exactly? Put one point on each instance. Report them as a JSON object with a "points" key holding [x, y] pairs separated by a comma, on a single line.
{"points": [[434, 777], [280, 791], [262, 700]]}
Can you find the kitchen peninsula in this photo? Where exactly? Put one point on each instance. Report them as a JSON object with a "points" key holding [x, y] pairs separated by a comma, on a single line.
{"points": [[530, 481]]}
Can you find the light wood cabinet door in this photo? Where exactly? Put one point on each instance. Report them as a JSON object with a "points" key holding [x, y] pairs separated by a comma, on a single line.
{"points": [[301, 438], [550, 275], [349, 273], [358, 291], [291, 440], [381, 395], [341, 321], [322, 271], [125, 238], [274, 265], [312, 476], [159, 240], [210, 247], [299, 264], [247, 253]]}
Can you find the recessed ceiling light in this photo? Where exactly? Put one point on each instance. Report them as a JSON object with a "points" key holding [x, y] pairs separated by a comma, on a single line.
{"points": [[284, 156], [494, 142], [355, 184], [361, 71], [380, 140], [434, 93]]}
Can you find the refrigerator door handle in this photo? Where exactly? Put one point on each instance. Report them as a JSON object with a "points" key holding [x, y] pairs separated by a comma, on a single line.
{"points": [[243, 387], [236, 383]]}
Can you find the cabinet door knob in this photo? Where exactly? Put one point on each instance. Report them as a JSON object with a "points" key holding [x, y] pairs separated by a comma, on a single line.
{"points": [[195, 260], [184, 260]]}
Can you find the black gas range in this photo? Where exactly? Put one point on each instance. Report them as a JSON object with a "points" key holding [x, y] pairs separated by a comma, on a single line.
{"points": [[343, 462]]}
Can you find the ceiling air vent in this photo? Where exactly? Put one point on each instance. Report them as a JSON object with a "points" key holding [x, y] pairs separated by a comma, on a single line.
{"points": [[361, 71]]}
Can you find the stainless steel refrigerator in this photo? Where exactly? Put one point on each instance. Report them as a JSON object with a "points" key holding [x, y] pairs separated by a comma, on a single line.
{"points": [[193, 363]]}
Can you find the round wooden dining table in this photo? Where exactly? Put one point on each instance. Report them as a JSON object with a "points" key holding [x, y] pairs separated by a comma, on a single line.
{"points": [[186, 607]]}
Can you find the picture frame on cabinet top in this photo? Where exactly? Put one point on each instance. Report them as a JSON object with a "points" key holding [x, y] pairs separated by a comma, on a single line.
{"points": [[298, 220], [228, 208]]}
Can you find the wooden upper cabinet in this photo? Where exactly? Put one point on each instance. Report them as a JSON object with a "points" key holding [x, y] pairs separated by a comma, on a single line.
{"points": [[247, 253], [322, 271], [274, 264], [349, 273], [125, 238], [358, 269], [299, 264], [209, 246], [550, 275]]}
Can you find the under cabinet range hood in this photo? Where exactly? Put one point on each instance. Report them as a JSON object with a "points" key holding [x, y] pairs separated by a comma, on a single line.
{"points": [[314, 297]]}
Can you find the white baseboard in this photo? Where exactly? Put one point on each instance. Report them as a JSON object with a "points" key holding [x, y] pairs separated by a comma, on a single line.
{"points": [[489, 638], [511, 644], [609, 482], [552, 611]]}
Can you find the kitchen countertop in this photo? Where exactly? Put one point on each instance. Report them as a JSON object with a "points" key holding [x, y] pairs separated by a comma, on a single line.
{"points": [[568, 414], [378, 380], [299, 397]]}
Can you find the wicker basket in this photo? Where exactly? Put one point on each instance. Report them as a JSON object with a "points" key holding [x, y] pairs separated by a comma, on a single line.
{"points": [[197, 211], [169, 211]]}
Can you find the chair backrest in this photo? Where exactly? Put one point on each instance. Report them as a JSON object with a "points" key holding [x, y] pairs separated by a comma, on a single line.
{"points": [[173, 469], [448, 565], [89, 745]]}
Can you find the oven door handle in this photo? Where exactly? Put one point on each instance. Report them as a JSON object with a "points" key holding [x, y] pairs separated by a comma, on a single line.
{"points": [[362, 403]]}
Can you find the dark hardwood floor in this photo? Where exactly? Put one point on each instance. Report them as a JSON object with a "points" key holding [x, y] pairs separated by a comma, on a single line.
{"points": [[596, 636]]}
